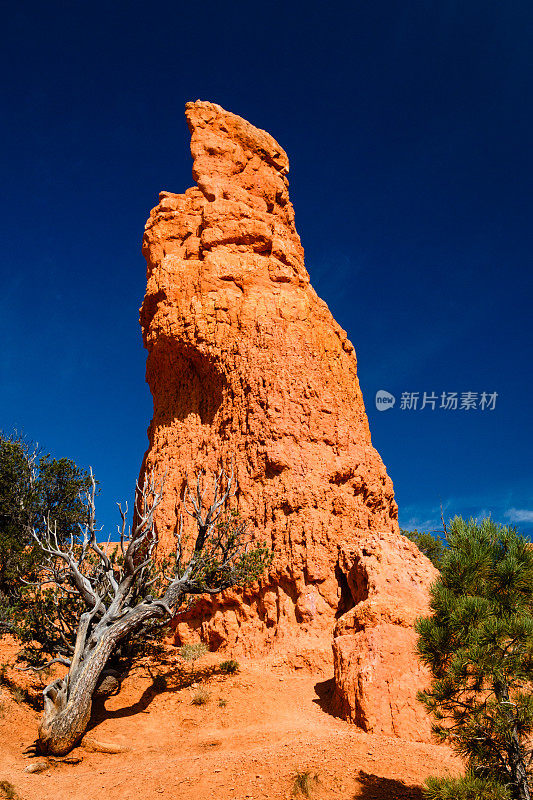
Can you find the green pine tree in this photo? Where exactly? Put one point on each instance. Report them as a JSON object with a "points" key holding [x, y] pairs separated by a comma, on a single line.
{"points": [[33, 488], [478, 644]]}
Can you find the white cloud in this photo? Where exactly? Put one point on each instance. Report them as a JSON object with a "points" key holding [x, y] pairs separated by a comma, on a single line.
{"points": [[426, 517], [519, 515]]}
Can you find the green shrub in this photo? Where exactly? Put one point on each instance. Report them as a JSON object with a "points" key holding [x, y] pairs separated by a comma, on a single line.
{"points": [[33, 488], [467, 788], [478, 646], [229, 667]]}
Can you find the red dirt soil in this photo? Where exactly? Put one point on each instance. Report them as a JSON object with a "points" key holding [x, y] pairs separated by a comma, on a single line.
{"points": [[257, 730]]}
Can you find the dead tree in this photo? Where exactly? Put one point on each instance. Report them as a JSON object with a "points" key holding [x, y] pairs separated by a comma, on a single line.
{"points": [[115, 590]]}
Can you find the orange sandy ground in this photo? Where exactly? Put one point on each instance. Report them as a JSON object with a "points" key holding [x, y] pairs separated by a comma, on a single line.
{"points": [[257, 730]]}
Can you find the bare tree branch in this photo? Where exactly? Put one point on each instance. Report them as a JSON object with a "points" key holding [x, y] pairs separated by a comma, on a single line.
{"points": [[115, 592], [46, 666]]}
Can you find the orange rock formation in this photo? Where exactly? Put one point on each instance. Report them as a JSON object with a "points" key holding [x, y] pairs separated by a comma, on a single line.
{"points": [[246, 362], [377, 674]]}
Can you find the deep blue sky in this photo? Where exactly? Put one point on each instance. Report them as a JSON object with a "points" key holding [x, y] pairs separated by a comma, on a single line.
{"points": [[408, 126]]}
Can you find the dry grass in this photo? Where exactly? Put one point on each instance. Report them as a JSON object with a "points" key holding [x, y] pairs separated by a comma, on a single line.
{"points": [[304, 783], [19, 695], [8, 791], [192, 652], [201, 698]]}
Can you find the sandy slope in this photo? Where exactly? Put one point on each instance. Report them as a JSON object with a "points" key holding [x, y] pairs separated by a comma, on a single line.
{"points": [[256, 731]]}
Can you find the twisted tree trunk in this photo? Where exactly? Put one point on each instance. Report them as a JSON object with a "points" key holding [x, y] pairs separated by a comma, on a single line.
{"points": [[111, 590], [515, 753], [68, 700]]}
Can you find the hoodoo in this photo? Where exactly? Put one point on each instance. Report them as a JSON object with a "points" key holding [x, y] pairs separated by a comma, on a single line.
{"points": [[247, 366]]}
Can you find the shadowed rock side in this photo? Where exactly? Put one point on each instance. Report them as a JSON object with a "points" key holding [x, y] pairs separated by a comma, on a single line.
{"points": [[245, 362]]}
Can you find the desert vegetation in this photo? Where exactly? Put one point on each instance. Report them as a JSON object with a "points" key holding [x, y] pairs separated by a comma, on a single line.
{"points": [[229, 667], [304, 783], [93, 596], [73, 600], [192, 652], [35, 488], [478, 645], [8, 791], [200, 698]]}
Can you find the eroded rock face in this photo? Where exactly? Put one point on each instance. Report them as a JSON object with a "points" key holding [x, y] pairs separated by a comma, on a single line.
{"points": [[245, 362], [377, 675]]}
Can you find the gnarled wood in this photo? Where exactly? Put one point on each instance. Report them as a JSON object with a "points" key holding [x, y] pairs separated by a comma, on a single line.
{"points": [[116, 595]]}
